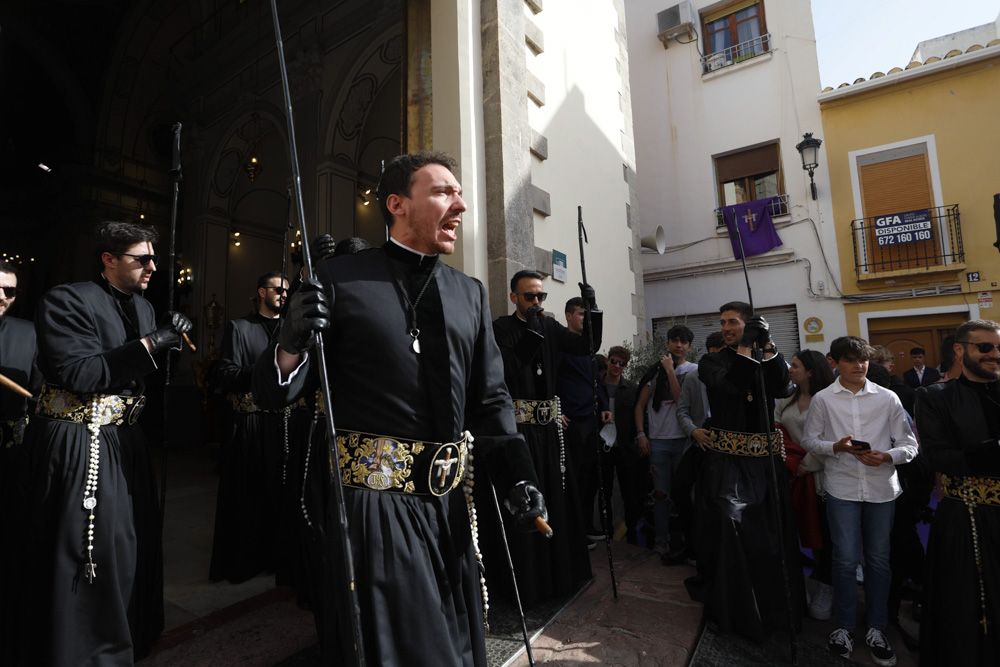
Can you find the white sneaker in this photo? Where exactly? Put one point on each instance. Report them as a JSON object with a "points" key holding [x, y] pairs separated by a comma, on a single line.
{"points": [[859, 574], [879, 649], [841, 642], [821, 604]]}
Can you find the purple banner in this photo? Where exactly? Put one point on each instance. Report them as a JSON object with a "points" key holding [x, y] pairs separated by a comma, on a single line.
{"points": [[750, 222]]}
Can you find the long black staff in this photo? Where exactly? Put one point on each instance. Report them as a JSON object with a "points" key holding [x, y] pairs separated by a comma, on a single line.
{"points": [[779, 506], [513, 576], [349, 596], [601, 495], [177, 176], [285, 236]]}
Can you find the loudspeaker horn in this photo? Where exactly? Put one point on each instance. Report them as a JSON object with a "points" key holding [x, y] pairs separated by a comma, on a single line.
{"points": [[657, 241]]}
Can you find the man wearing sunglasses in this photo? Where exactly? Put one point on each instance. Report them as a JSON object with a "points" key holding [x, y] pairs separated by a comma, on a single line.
{"points": [[959, 426], [533, 346], [91, 552], [247, 522]]}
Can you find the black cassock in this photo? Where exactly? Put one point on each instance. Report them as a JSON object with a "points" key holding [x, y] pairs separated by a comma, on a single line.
{"points": [[546, 568], [17, 361], [959, 426], [418, 583], [251, 508], [736, 533], [88, 340]]}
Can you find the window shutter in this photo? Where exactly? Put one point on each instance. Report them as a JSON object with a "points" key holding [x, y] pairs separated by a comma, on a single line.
{"points": [[895, 186], [760, 160], [783, 322]]}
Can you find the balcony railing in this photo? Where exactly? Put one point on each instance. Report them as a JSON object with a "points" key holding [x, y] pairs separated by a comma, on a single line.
{"points": [[779, 206], [735, 54], [915, 241]]}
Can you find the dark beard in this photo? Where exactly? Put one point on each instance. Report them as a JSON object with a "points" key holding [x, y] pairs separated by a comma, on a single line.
{"points": [[977, 370]]}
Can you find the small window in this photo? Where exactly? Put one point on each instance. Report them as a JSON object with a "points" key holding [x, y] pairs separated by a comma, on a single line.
{"points": [[749, 175], [733, 34]]}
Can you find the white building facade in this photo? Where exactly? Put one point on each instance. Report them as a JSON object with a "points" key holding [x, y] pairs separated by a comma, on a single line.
{"points": [[722, 93]]}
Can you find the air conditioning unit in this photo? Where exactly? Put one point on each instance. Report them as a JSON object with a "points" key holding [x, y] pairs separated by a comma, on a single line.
{"points": [[676, 21]]}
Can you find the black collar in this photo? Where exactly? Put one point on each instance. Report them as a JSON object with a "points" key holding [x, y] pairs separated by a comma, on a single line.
{"points": [[408, 257]]}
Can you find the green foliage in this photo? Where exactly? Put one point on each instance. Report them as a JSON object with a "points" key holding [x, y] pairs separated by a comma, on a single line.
{"points": [[643, 355]]}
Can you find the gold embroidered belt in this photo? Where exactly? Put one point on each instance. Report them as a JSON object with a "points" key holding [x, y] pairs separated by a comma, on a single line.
{"points": [[387, 463], [972, 490], [738, 443], [13, 432], [100, 409], [537, 412], [245, 403]]}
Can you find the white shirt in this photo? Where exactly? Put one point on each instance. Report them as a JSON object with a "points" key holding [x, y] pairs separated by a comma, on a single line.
{"points": [[874, 415]]}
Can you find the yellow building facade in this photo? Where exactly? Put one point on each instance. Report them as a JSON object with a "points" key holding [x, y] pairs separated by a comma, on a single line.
{"points": [[914, 168]]}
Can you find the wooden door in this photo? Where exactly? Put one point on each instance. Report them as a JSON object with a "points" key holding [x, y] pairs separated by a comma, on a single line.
{"points": [[898, 186]]}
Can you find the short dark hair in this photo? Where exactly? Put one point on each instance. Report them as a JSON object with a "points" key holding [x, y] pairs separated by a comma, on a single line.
{"points": [[680, 332], [262, 281], [619, 351], [116, 237], [8, 267], [398, 175], [917, 350], [742, 307], [350, 246], [851, 348], [524, 273], [947, 354], [574, 303], [715, 339], [962, 333]]}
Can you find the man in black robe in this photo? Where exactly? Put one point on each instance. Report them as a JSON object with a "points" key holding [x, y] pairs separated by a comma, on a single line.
{"points": [[90, 560], [17, 362], [959, 426], [413, 368], [737, 537], [254, 461], [533, 345]]}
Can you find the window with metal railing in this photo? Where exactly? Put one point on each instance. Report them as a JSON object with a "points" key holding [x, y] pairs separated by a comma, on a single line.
{"points": [[915, 241], [779, 206], [734, 33]]}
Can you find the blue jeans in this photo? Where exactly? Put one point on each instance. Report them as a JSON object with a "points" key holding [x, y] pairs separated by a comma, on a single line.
{"points": [[664, 457], [853, 523]]}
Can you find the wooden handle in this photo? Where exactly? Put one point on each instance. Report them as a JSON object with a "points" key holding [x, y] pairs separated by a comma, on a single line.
{"points": [[189, 343], [13, 386], [543, 528]]}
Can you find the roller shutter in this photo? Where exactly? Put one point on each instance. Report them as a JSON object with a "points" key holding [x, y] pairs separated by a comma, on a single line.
{"points": [[783, 320]]}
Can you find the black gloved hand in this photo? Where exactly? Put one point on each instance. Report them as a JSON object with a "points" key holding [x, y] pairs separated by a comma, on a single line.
{"points": [[307, 313], [168, 335], [589, 296], [756, 331], [526, 503], [534, 319], [323, 247]]}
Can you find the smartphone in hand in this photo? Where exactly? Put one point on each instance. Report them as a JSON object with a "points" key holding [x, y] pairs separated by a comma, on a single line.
{"points": [[861, 445]]}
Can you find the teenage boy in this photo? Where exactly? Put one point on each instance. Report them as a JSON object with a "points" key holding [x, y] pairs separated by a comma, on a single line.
{"points": [[861, 431], [666, 442]]}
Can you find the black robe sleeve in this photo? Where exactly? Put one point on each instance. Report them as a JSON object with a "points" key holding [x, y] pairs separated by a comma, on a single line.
{"points": [[68, 340], [954, 438], [230, 374], [489, 411]]}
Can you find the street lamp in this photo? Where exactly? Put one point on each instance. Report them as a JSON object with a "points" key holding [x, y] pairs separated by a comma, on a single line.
{"points": [[808, 148]]}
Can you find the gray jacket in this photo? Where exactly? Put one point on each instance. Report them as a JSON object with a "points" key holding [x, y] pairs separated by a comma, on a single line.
{"points": [[692, 406]]}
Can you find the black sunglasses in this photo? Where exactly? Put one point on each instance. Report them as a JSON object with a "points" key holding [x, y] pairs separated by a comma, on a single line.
{"points": [[985, 348], [9, 292], [531, 296], [279, 290], [142, 259]]}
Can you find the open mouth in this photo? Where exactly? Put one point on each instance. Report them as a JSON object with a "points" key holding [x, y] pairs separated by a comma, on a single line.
{"points": [[450, 228]]}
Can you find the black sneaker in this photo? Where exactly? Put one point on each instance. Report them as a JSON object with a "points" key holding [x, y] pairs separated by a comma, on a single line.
{"points": [[841, 642], [878, 647]]}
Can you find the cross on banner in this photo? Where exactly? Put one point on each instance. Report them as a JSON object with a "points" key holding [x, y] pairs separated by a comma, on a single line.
{"points": [[751, 219]]}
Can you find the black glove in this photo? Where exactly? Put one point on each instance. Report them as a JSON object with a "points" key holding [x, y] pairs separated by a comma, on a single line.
{"points": [[756, 331], [323, 247], [534, 319], [307, 313], [168, 335], [588, 295], [526, 503]]}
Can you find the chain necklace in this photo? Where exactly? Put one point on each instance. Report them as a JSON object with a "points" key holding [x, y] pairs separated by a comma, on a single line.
{"points": [[411, 307]]}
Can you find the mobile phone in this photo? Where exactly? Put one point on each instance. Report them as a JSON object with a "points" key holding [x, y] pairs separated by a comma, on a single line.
{"points": [[861, 445]]}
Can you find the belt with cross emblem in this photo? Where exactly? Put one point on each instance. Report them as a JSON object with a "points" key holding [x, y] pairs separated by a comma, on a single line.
{"points": [[401, 465]]}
